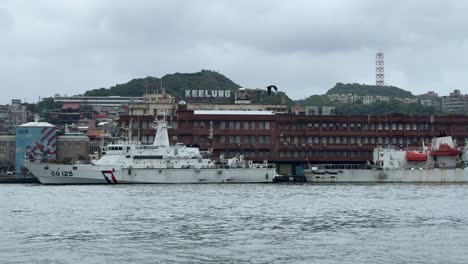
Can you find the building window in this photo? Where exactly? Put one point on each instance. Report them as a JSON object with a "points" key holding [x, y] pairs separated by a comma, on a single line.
{"points": [[238, 124], [252, 124], [222, 139], [345, 140], [222, 125], [246, 124], [393, 127], [267, 124], [260, 125], [231, 124]]}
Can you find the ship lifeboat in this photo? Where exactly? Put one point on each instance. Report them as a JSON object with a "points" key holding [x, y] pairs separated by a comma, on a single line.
{"points": [[445, 150], [412, 156]]}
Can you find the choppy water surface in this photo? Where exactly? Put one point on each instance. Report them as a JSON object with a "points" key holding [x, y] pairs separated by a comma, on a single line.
{"points": [[264, 223]]}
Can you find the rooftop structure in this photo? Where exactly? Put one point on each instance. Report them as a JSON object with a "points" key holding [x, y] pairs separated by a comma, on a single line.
{"points": [[99, 100]]}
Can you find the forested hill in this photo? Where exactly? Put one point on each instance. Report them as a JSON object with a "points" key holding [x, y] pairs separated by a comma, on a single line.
{"points": [[174, 84], [362, 89]]}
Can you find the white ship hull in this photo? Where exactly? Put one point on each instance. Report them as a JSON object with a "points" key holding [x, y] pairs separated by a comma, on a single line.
{"points": [[96, 174], [388, 176]]}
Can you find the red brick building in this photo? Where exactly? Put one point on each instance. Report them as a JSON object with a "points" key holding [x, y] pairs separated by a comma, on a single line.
{"points": [[291, 140]]}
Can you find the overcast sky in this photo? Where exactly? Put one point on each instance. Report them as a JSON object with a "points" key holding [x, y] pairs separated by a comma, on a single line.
{"points": [[304, 47]]}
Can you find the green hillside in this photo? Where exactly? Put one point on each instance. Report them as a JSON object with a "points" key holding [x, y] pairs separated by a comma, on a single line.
{"points": [[377, 108], [175, 84], [362, 89]]}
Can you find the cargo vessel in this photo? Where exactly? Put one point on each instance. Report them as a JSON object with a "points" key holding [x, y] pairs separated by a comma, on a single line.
{"points": [[128, 162], [438, 162]]}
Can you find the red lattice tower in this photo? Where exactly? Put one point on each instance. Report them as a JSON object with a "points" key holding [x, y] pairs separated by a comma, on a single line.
{"points": [[379, 69]]}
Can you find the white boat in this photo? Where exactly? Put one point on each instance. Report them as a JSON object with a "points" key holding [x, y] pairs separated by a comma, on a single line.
{"points": [[440, 162], [160, 162]]}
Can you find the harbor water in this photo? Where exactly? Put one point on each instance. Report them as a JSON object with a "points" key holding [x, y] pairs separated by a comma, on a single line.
{"points": [[234, 223]]}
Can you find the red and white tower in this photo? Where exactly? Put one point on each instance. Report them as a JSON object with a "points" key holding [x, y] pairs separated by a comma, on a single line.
{"points": [[379, 69]]}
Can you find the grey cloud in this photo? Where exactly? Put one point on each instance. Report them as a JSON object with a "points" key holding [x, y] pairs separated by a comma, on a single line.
{"points": [[71, 46]]}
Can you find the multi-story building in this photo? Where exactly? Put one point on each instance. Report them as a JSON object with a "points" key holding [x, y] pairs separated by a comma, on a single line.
{"points": [[319, 110], [99, 101], [455, 103], [7, 153], [293, 140], [12, 116], [14, 148], [73, 147], [154, 104]]}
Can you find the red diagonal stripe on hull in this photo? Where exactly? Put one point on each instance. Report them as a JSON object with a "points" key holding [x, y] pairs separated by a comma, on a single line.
{"points": [[43, 130], [113, 178]]}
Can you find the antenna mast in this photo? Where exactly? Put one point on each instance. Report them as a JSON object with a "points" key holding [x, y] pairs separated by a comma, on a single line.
{"points": [[379, 69]]}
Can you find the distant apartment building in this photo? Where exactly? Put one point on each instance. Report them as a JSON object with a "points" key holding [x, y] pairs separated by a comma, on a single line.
{"points": [[7, 153], [455, 102], [354, 98], [156, 104], [369, 99], [113, 106], [99, 101], [319, 110], [12, 116]]}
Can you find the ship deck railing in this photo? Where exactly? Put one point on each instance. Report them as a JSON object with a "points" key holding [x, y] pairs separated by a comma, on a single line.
{"points": [[339, 167]]}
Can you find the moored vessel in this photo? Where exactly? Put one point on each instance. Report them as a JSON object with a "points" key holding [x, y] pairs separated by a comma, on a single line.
{"points": [[129, 162], [438, 162]]}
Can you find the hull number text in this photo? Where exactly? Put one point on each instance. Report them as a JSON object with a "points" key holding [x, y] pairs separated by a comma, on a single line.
{"points": [[62, 173]]}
